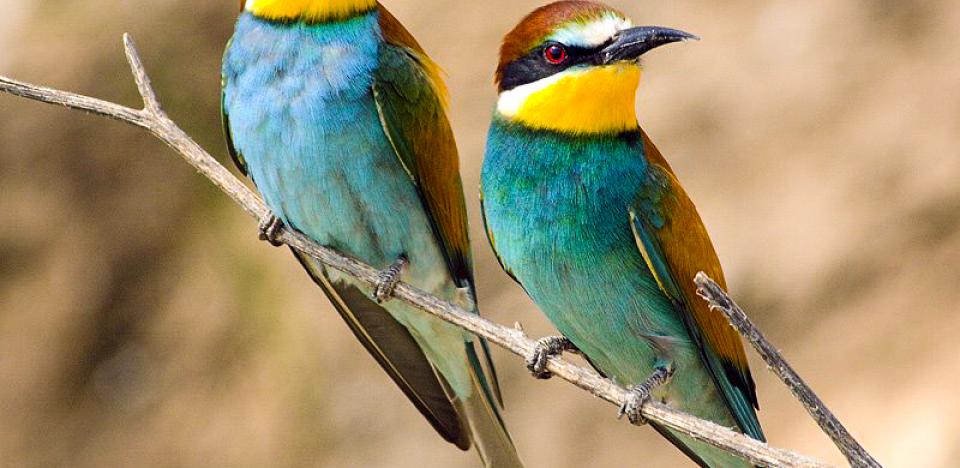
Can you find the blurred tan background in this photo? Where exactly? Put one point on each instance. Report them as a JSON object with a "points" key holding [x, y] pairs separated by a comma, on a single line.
{"points": [[142, 323]]}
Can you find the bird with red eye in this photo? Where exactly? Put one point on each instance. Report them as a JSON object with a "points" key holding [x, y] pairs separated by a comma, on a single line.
{"points": [[555, 54]]}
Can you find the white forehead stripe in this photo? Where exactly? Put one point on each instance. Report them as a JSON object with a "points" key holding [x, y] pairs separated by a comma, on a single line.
{"points": [[592, 33]]}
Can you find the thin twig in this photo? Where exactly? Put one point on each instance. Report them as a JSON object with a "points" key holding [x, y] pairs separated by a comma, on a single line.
{"points": [[150, 102], [154, 120], [720, 300], [74, 101]]}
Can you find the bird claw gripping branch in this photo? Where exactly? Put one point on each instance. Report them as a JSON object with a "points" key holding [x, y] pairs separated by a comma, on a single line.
{"points": [[270, 229], [387, 280], [641, 394], [543, 351]]}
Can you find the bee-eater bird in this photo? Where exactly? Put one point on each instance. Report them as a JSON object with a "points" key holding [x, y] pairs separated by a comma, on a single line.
{"points": [[584, 212], [338, 116]]}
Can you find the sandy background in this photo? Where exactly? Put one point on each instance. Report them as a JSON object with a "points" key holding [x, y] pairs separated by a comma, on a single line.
{"points": [[142, 323]]}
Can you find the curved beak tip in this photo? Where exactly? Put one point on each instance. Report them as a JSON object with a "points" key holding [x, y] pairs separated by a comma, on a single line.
{"points": [[631, 43]]}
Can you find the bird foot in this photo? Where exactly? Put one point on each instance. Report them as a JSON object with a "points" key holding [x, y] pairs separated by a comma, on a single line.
{"points": [[641, 394], [544, 350], [387, 280], [269, 230]]}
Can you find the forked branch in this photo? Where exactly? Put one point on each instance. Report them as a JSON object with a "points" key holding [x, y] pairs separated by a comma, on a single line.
{"points": [[153, 119], [856, 455]]}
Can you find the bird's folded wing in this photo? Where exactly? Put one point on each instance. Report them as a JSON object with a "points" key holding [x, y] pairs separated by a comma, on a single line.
{"points": [[231, 148], [675, 245], [493, 242], [410, 98]]}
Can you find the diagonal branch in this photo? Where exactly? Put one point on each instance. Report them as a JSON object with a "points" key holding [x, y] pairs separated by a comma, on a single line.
{"points": [[153, 119], [719, 300], [150, 102]]}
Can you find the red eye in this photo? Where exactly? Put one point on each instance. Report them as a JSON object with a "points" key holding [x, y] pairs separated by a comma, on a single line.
{"points": [[555, 54]]}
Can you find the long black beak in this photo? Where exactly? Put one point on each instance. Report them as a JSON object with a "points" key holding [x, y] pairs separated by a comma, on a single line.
{"points": [[630, 44]]}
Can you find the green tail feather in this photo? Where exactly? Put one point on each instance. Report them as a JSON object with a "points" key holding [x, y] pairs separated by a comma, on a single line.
{"points": [[397, 352], [486, 425], [475, 420]]}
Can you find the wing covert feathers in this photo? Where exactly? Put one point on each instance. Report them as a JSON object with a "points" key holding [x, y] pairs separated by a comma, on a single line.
{"points": [[410, 97], [675, 245]]}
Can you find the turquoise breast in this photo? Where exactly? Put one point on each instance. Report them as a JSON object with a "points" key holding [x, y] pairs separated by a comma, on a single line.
{"points": [[557, 209], [303, 115]]}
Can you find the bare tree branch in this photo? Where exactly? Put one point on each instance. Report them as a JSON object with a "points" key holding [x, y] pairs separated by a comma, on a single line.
{"points": [[150, 102], [720, 300], [153, 119]]}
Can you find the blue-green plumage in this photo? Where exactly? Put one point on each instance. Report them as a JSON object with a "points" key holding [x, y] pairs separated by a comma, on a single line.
{"points": [[303, 117], [332, 157], [558, 210]]}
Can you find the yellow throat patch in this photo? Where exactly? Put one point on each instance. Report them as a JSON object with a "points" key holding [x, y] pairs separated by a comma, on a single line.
{"points": [[308, 10], [581, 101]]}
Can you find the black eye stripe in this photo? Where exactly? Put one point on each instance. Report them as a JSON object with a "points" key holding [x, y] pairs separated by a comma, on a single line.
{"points": [[574, 52], [535, 66]]}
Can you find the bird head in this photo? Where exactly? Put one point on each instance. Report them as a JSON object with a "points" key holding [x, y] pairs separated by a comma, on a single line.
{"points": [[573, 67]]}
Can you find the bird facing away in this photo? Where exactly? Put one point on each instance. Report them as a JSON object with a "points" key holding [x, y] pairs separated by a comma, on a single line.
{"points": [[584, 212], [338, 116]]}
